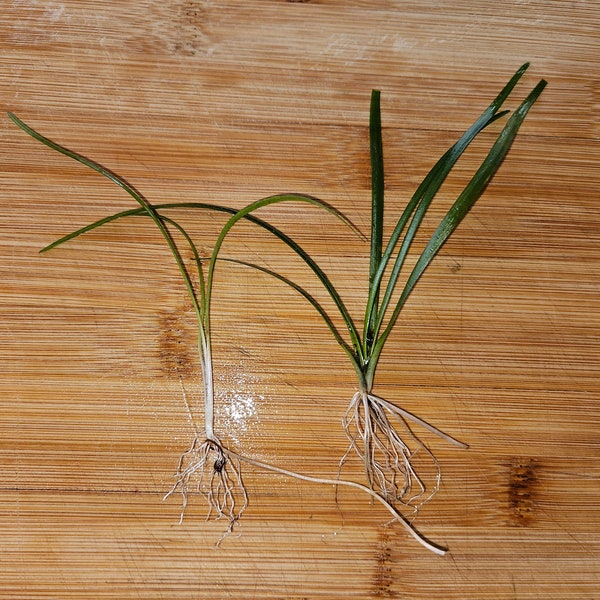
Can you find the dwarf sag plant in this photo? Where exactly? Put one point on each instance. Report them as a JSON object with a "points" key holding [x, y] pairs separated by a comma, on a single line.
{"points": [[206, 460], [390, 455], [209, 466]]}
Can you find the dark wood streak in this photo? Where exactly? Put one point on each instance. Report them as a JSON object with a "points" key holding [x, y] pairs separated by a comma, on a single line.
{"points": [[521, 491]]}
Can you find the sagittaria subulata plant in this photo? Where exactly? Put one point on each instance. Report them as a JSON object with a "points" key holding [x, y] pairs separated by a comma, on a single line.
{"points": [[390, 456], [211, 467]]}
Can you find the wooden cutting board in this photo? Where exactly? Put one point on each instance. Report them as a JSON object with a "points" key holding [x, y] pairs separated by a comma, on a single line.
{"points": [[227, 102]]}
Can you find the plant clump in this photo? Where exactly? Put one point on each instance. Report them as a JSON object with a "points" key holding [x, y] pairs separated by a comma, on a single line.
{"points": [[399, 468], [390, 456]]}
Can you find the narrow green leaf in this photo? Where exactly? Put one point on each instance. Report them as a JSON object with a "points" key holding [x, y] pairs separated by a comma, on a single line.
{"points": [[132, 212], [377, 215], [426, 192], [305, 294], [196, 257], [137, 196], [200, 205], [471, 193], [321, 275]]}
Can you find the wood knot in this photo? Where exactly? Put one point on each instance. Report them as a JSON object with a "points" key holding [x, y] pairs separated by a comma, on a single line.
{"points": [[521, 483], [383, 577], [176, 356], [192, 36]]}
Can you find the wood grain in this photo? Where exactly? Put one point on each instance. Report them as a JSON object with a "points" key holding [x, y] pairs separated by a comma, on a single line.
{"points": [[229, 101]]}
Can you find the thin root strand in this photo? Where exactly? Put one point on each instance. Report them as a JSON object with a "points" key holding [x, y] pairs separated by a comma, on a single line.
{"points": [[207, 469], [401, 471]]}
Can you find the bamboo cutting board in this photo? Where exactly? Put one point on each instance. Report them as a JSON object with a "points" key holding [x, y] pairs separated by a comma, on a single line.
{"points": [[227, 102]]}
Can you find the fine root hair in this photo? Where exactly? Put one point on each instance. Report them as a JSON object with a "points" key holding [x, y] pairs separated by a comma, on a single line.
{"points": [[208, 469], [213, 470], [400, 468]]}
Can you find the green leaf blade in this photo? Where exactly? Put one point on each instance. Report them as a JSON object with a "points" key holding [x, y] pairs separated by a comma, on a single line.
{"points": [[129, 189], [465, 201], [308, 260], [427, 191], [377, 215]]}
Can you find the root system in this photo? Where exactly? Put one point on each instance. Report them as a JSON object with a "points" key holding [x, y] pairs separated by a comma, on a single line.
{"points": [[208, 469]]}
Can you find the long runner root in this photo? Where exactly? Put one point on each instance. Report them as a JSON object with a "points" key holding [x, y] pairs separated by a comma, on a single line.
{"points": [[215, 471]]}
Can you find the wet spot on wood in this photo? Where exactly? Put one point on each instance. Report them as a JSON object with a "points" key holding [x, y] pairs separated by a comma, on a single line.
{"points": [[176, 344], [521, 490]]}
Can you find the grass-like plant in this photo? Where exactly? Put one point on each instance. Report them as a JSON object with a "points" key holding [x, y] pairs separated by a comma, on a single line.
{"points": [[390, 458], [209, 466]]}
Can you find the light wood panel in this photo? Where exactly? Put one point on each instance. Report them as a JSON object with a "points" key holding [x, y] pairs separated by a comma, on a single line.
{"points": [[230, 101]]}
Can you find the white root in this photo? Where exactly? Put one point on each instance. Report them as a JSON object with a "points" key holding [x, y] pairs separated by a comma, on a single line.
{"points": [[407, 415], [211, 469], [215, 472], [337, 482], [206, 469], [401, 471]]}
